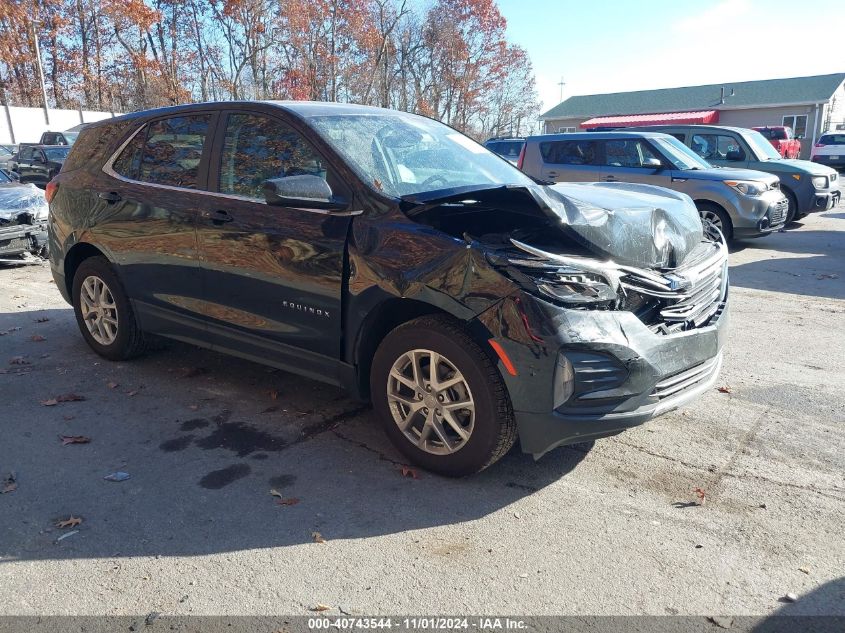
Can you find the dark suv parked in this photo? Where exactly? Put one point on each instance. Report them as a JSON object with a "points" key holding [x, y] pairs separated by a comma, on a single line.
{"points": [[38, 164], [388, 253]]}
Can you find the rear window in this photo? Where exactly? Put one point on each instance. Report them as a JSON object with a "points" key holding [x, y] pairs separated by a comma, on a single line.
{"points": [[832, 139], [510, 149], [94, 145], [773, 134]]}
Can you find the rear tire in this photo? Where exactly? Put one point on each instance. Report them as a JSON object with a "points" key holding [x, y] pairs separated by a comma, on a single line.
{"points": [[423, 417], [717, 216], [104, 313]]}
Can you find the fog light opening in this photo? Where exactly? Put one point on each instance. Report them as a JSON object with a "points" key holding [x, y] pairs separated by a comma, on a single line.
{"points": [[564, 380]]}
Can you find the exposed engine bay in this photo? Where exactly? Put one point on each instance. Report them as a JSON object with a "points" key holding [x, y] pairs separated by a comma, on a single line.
{"points": [[23, 223]]}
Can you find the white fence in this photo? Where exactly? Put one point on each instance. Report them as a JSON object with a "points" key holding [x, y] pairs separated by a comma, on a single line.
{"points": [[25, 125]]}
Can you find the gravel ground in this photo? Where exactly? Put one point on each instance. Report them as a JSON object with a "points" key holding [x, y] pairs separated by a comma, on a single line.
{"points": [[607, 530]]}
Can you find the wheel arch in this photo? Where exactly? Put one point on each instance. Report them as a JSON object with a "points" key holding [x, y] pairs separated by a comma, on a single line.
{"points": [[77, 254], [386, 317], [699, 202]]}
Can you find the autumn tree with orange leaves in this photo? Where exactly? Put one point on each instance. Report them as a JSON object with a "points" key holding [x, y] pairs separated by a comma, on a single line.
{"points": [[451, 60]]}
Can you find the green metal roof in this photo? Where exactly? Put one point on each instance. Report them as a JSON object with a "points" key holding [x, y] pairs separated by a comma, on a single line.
{"points": [[763, 93]]}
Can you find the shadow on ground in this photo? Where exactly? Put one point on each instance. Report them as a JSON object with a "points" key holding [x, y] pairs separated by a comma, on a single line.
{"points": [[205, 438]]}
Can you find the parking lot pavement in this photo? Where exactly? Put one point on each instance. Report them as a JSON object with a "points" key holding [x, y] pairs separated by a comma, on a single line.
{"points": [[612, 529]]}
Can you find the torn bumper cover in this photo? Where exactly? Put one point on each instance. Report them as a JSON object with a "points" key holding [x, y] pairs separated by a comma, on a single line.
{"points": [[601, 346]]}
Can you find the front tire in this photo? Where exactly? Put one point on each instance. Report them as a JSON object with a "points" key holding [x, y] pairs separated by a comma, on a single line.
{"points": [[792, 211], [440, 398], [104, 313], [716, 216]]}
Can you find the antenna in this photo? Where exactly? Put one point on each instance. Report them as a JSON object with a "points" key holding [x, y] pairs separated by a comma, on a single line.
{"points": [[561, 83]]}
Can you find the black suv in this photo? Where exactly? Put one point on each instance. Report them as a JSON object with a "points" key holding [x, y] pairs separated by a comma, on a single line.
{"points": [[38, 164], [390, 254]]}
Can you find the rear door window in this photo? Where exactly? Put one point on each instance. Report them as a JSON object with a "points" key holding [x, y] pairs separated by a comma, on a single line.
{"points": [[717, 147], [627, 153], [173, 150], [569, 152]]}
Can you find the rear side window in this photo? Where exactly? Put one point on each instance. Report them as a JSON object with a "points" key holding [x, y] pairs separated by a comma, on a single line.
{"points": [[128, 162], [257, 148], [171, 152], [50, 139], [569, 152], [94, 145]]}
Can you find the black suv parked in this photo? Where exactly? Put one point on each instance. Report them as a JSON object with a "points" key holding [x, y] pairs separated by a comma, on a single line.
{"points": [[38, 164], [388, 253]]}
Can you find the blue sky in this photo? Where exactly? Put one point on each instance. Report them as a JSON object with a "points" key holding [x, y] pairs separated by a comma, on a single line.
{"points": [[602, 46]]}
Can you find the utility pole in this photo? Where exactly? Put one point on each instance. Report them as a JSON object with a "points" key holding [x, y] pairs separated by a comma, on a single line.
{"points": [[35, 25], [561, 83]]}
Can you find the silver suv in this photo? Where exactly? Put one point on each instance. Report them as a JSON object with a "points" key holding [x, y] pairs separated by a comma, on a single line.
{"points": [[741, 202]]}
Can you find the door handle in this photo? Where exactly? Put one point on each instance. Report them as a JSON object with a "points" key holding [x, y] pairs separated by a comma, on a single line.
{"points": [[109, 196], [217, 217], [611, 179], [551, 174]]}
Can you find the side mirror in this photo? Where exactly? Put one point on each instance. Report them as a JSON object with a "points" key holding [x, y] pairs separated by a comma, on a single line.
{"points": [[735, 155], [307, 191], [652, 163]]}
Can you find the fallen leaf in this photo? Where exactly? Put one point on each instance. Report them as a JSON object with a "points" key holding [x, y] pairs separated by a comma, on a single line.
{"points": [[317, 537], [804, 570], [190, 372], [292, 501], [700, 494], [193, 407], [724, 389], [71, 521], [320, 607], [134, 392], [37, 338], [409, 472], [18, 360], [65, 397], [42, 320], [10, 484], [74, 439], [276, 493], [68, 417], [274, 394], [113, 385]]}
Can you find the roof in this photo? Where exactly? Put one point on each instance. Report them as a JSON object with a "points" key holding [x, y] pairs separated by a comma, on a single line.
{"points": [[595, 136], [747, 94], [701, 116]]}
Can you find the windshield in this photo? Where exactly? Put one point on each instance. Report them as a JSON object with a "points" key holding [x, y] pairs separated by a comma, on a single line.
{"points": [[762, 149], [56, 153], [4, 151], [4, 178], [681, 156], [402, 154]]}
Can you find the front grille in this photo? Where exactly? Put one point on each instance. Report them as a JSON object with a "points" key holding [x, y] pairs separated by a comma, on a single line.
{"points": [[777, 212], [685, 379], [15, 244], [683, 298]]}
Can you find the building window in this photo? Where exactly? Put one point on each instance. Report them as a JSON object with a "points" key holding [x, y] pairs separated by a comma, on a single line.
{"points": [[566, 130], [798, 123]]}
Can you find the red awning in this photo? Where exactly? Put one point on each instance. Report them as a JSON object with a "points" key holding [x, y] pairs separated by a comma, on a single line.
{"points": [[701, 116]]}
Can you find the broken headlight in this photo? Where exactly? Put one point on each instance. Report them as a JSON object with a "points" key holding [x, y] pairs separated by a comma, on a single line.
{"points": [[564, 284], [572, 281]]}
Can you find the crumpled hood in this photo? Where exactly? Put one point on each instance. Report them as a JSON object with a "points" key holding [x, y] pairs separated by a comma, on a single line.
{"points": [[631, 224], [16, 199]]}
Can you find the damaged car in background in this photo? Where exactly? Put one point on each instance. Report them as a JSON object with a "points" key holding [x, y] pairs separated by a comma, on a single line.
{"points": [[23, 221], [389, 254]]}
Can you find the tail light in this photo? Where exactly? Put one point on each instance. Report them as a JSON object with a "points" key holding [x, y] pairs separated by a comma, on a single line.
{"points": [[50, 190], [521, 158]]}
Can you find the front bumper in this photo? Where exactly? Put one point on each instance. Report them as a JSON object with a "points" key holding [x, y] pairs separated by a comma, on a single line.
{"points": [[827, 200], [625, 374], [760, 215], [17, 239]]}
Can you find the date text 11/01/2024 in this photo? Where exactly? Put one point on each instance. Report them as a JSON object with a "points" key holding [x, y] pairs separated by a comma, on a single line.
{"points": [[418, 623]]}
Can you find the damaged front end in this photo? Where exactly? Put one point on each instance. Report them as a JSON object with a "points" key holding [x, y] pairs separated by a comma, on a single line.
{"points": [[620, 310], [23, 223]]}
